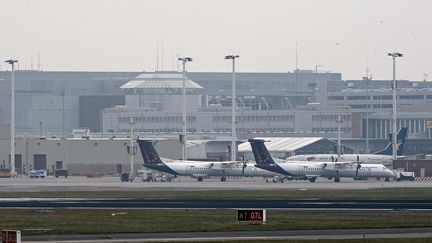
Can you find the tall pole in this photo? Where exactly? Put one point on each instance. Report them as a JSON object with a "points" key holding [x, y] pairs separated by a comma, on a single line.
{"points": [[367, 79], [184, 150], [131, 149], [184, 115], [12, 126], [339, 121], [394, 138], [63, 114], [233, 110]]}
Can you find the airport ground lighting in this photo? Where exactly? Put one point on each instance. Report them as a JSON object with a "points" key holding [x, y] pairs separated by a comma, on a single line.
{"points": [[394, 87], [184, 60], [12, 126], [233, 109]]}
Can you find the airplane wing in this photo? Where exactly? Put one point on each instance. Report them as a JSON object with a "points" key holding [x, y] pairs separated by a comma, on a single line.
{"points": [[343, 164]]}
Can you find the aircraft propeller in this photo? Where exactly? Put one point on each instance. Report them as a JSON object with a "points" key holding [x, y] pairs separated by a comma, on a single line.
{"points": [[358, 167], [244, 166]]}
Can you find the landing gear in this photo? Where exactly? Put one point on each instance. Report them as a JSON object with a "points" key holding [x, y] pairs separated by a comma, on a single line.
{"points": [[200, 178], [336, 179], [223, 179], [312, 179]]}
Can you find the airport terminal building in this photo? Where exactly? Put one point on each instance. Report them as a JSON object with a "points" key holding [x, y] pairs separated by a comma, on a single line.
{"points": [[300, 103]]}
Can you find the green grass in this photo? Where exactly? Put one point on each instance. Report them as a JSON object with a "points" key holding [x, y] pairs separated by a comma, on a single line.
{"points": [[132, 221], [392, 240], [367, 194]]}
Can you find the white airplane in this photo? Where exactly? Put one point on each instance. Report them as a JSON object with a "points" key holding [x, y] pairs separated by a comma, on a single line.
{"points": [[384, 156], [198, 169], [336, 170]]}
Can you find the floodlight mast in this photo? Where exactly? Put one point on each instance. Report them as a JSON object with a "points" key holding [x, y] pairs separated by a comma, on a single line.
{"points": [[12, 126], [394, 138], [233, 109], [184, 60]]}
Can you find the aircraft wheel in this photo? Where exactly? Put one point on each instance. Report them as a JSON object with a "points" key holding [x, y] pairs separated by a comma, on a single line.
{"points": [[200, 179], [223, 179], [266, 180], [274, 180], [387, 179], [337, 180], [312, 179]]}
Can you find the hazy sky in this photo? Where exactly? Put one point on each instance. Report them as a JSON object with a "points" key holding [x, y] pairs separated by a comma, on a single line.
{"points": [[123, 35]]}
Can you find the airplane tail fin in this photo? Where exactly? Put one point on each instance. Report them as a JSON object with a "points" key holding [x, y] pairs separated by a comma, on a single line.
{"points": [[263, 158], [261, 154], [149, 154], [400, 137]]}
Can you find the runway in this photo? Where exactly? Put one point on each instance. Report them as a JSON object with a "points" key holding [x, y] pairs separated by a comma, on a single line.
{"points": [[79, 183], [239, 235], [216, 204]]}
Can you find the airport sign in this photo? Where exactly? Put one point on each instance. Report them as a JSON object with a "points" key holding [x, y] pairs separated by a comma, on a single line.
{"points": [[251, 216]]}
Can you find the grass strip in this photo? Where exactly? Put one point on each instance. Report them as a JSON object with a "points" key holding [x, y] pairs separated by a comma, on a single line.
{"points": [[67, 221], [367, 194]]}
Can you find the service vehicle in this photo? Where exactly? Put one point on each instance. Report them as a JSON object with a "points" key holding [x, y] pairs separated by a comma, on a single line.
{"points": [[405, 176], [38, 173]]}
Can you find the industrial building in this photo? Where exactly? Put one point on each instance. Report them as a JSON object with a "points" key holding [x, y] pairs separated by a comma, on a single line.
{"points": [[301, 103], [298, 103]]}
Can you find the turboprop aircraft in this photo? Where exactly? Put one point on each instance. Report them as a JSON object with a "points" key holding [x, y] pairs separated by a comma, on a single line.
{"points": [[198, 169], [336, 170], [384, 156]]}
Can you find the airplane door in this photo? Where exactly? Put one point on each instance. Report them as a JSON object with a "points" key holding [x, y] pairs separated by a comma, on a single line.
{"points": [[189, 169], [301, 170]]}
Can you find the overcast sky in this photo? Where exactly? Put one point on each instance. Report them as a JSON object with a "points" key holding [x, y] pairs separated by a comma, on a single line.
{"points": [[123, 35]]}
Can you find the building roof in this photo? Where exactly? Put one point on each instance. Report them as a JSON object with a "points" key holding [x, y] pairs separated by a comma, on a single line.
{"points": [[280, 144], [160, 81]]}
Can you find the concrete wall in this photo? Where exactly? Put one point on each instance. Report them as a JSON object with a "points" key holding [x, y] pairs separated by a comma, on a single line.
{"points": [[421, 168], [81, 156]]}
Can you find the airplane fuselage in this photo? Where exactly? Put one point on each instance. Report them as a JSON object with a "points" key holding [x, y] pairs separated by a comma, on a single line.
{"points": [[364, 158], [204, 168], [334, 170]]}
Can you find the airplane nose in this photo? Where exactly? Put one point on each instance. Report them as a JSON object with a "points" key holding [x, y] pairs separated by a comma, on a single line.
{"points": [[391, 173]]}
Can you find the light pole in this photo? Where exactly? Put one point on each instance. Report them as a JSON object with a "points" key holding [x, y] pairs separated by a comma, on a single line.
{"points": [[394, 139], [367, 79], [184, 60], [233, 109], [339, 121], [63, 114], [12, 126], [131, 148]]}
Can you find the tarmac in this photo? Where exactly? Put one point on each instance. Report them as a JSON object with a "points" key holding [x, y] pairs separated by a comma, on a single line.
{"points": [[81, 183]]}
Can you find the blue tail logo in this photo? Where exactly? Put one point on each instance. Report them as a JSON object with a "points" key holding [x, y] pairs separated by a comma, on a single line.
{"points": [[400, 138], [261, 154], [148, 152], [263, 158]]}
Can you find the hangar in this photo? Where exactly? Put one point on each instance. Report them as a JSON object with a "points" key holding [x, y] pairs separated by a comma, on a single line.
{"points": [[421, 168], [284, 147]]}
